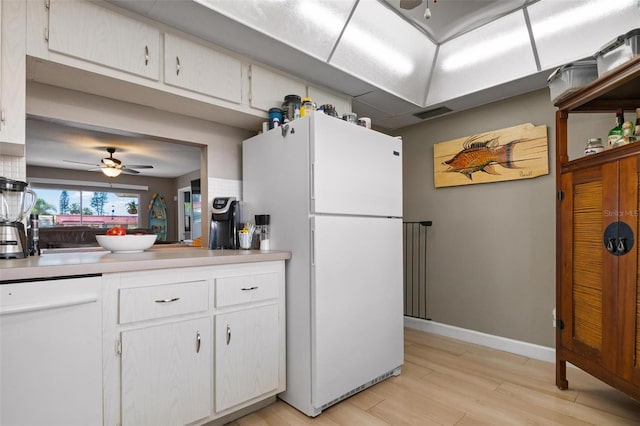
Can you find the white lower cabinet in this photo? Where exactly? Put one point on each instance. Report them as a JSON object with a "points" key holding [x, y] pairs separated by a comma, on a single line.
{"points": [[192, 345], [246, 355], [166, 371]]}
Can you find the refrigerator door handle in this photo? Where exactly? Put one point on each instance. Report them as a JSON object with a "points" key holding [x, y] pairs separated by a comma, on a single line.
{"points": [[313, 247], [313, 181]]}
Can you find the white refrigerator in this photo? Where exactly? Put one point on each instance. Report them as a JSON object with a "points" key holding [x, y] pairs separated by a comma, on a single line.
{"points": [[333, 191]]}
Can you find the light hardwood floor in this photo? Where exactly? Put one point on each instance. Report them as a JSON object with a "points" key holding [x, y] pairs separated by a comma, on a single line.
{"points": [[448, 382]]}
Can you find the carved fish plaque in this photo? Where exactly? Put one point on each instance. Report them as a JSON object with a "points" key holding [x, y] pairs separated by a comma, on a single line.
{"points": [[520, 152]]}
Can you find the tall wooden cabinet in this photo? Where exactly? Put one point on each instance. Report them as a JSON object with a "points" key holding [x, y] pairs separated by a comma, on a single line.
{"points": [[598, 213]]}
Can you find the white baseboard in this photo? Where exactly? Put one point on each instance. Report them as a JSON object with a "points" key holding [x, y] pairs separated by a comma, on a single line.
{"points": [[529, 350]]}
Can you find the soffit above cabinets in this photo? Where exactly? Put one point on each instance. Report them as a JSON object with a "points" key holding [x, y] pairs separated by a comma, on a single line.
{"points": [[393, 62]]}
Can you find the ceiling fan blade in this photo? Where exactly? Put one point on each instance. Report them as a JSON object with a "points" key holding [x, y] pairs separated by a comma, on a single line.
{"points": [[129, 171], [139, 166], [82, 162], [410, 4]]}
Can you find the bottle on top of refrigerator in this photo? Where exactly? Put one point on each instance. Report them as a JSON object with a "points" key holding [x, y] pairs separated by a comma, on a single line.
{"points": [[307, 107], [616, 132]]}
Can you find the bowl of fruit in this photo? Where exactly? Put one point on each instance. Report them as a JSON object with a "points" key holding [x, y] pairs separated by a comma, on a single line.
{"points": [[117, 240]]}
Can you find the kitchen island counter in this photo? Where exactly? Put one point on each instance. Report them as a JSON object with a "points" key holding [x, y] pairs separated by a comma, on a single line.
{"points": [[64, 264]]}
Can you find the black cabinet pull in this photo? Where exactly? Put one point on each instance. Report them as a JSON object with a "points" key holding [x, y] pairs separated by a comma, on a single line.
{"points": [[618, 238]]}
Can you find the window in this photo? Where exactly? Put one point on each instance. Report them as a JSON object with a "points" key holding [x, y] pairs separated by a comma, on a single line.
{"points": [[98, 209]]}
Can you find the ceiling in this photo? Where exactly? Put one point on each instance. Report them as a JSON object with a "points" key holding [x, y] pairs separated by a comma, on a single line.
{"points": [[396, 65], [54, 144]]}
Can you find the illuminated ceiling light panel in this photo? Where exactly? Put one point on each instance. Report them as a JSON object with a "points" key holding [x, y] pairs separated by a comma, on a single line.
{"points": [[379, 47], [312, 26], [575, 29], [496, 53]]}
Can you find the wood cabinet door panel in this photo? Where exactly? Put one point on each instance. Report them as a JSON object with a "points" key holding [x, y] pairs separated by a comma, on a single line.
{"points": [[200, 69], [247, 360], [588, 272], [166, 373], [97, 34], [627, 303]]}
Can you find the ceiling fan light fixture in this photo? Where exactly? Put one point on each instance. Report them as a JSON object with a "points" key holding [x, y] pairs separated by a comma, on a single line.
{"points": [[111, 171]]}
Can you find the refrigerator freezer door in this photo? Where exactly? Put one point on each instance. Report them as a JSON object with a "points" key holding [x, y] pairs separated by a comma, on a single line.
{"points": [[357, 318], [355, 171]]}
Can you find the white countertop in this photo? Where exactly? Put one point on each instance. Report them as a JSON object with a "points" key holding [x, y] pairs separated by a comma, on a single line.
{"points": [[64, 263]]}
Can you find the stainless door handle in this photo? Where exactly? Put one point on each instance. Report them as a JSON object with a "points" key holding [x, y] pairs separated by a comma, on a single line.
{"points": [[198, 341], [228, 335], [175, 299], [146, 55], [177, 65]]}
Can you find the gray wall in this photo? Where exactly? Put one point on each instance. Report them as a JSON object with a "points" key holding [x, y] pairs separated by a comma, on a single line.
{"points": [[492, 246]]}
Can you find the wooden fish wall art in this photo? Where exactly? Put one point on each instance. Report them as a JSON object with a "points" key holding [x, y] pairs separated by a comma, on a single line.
{"points": [[519, 152]]}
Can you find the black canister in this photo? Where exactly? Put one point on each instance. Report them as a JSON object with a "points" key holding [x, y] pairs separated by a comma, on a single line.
{"points": [[292, 103]]}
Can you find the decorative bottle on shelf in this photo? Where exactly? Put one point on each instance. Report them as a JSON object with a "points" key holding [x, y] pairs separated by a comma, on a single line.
{"points": [[616, 132], [636, 131]]}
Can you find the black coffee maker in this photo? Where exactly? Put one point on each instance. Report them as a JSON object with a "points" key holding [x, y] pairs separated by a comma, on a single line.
{"points": [[225, 220]]}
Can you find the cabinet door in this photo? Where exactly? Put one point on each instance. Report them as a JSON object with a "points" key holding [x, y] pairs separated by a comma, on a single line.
{"points": [[246, 353], [97, 34], [12, 77], [166, 373], [589, 273], [197, 68], [628, 294], [268, 88]]}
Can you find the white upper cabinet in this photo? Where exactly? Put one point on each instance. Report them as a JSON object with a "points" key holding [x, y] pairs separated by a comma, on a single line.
{"points": [[268, 88], [194, 67], [93, 33], [12, 77]]}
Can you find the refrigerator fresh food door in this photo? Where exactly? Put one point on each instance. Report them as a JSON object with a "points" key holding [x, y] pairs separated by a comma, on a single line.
{"points": [[357, 318], [354, 170]]}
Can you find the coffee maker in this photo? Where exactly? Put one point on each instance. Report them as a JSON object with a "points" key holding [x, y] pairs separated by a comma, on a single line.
{"points": [[225, 221], [16, 200]]}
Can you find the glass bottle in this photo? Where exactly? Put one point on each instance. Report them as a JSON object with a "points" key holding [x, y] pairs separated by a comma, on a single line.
{"points": [[636, 131], [307, 107], [594, 145], [616, 132]]}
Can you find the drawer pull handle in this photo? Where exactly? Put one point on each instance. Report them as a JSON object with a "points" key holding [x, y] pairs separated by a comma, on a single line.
{"points": [[175, 299], [198, 342], [255, 287], [177, 65], [228, 335], [146, 55]]}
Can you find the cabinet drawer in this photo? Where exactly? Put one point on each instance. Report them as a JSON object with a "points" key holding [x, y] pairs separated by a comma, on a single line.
{"points": [[246, 288], [144, 303]]}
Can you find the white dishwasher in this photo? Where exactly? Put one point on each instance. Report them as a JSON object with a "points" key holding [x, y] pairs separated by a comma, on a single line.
{"points": [[50, 352]]}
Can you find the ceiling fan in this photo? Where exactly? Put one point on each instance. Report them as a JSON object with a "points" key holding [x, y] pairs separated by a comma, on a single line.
{"points": [[112, 167]]}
